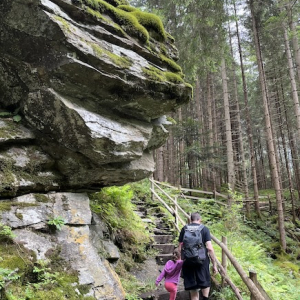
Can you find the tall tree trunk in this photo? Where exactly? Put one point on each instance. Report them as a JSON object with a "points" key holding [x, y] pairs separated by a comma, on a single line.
{"points": [[230, 160], [286, 159], [239, 126], [181, 153], [292, 79], [199, 116], [249, 124], [260, 161], [217, 177], [171, 150], [269, 136], [159, 173], [295, 43]]}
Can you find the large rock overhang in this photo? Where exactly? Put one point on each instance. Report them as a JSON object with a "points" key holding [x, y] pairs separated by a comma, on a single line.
{"points": [[91, 91]]}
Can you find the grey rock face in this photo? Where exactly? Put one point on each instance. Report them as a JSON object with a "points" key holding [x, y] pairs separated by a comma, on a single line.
{"points": [[91, 113], [77, 243]]}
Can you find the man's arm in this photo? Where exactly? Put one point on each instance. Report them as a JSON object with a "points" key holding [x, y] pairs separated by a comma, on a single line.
{"points": [[212, 256]]}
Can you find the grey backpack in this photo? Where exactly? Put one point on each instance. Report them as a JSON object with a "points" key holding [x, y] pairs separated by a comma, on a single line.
{"points": [[193, 250]]}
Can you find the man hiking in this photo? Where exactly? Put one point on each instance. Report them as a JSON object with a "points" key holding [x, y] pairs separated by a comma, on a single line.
{"points": [[195, 270]]}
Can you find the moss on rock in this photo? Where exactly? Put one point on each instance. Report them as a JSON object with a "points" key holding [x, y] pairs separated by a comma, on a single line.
{"points": [[42, 198], [127, 8], [129, 22], [172, 64], [134, 21], [7, 205], [157, 75], [151, 22], [120, 61]]}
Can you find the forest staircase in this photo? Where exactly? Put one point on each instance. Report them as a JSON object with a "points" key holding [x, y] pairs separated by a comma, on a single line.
{"points": [[163, 234]]}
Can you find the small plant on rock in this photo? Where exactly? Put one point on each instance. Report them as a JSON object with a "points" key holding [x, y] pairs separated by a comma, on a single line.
{"points": [[6, 232], [56, 222]]}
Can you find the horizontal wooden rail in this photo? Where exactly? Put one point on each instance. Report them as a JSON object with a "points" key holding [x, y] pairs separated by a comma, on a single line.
{"points": [[164, 184], [196, 191], [190, 190], [204, 199]]}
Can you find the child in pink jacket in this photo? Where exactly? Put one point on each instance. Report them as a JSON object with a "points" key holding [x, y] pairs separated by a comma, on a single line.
{"points": [[171, 273]]}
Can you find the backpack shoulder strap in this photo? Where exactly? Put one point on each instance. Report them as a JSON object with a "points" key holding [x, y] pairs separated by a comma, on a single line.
{"points": [[200, 227]]}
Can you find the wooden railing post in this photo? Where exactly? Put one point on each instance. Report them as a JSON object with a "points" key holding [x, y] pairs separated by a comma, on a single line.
{"points": [[152, 188], [176, 210], [270, 205], [224, 258], [229, 200], [253, 277]]}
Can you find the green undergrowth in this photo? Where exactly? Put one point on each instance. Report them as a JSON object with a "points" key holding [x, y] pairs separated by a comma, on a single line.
{"points": [[114, 206]]}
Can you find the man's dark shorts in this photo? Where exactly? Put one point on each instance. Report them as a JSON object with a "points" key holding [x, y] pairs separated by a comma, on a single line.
{"points": [[196, 276]]}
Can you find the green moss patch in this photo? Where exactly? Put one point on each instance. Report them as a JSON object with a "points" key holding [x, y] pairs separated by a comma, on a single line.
{"points": [[42, 198], [173, 77], [120, 61], [39, 280], [154, 74], [129, 22], [7, 205], [157, 75], [117, 2], [11, 259], [172, 64], [151, 22], [127, 8], [135, 22], [64, 22]]}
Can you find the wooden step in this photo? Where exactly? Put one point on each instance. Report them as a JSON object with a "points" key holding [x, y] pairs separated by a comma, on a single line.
{"points": [[161, 259], [164, 248], [161, 231], [163, 239]]}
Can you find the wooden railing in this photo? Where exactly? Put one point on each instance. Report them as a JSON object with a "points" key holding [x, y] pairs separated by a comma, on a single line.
{"points": [[256, 290]]}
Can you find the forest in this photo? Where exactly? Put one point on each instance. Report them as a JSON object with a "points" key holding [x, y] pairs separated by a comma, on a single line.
{"points": [[77, 210], [241, 130]]}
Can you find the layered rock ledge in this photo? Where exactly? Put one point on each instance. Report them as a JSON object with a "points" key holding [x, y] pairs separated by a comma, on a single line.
{"points": [[83, 94]]}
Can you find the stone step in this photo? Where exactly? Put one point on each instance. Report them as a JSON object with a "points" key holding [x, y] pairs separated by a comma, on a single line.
{"points": [[164, 248], [163, 239], [161, 259], [139, 213], [161, 231]]}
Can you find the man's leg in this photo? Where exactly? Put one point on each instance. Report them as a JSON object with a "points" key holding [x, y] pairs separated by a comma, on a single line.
{"points": [[205, 292], [194, 294]]}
